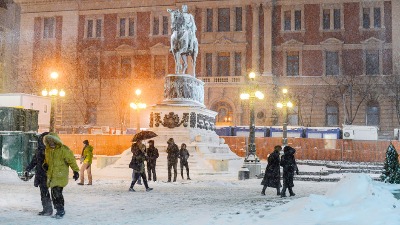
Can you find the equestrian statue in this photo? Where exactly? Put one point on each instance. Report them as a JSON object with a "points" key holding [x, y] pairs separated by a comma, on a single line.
{"points": [[183, 39]]}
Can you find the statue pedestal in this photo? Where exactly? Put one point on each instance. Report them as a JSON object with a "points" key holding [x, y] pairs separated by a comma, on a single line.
{"points": [[183, 116]]}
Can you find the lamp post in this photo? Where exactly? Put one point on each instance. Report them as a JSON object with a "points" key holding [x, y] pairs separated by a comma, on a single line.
{"points": [[251, 161], [53, 93], [285, 104], [137, 105]]}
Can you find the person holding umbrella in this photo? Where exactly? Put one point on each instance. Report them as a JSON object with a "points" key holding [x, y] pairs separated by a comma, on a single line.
{"points": [[137, 165]]}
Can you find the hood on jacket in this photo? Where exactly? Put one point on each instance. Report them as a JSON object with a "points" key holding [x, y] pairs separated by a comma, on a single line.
{"points": [[54, 137], [41, 144], [287, 150]]}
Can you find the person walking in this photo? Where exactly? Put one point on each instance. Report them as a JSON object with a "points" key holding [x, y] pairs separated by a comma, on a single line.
{"points": [[272, 175], [184, 156], [172, 157], [137, 165], [58, 158], [40, 176], [86, 159], [152, 155], [289, 165]]}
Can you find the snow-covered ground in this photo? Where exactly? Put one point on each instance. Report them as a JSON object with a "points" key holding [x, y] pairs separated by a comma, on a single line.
{"points": [[206, 199]]}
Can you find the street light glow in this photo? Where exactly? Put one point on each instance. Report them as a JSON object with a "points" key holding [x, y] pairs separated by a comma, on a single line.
{"points": [[284, 91], [62, 93], [259, 95], [279, 105], [289, 104], [244, 96], [138, 92], [252, 75], [45, 92], [133, 105], [54, 75]]}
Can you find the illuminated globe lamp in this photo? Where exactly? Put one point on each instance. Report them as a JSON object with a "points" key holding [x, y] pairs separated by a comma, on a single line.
{"points": [[285, 104]]}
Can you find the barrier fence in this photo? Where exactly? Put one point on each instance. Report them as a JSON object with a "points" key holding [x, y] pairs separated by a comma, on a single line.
{"points": [[317, 149], [306, 148]]}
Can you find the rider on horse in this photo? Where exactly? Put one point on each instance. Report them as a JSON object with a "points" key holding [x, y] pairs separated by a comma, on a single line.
{"points": [[190, 26]]}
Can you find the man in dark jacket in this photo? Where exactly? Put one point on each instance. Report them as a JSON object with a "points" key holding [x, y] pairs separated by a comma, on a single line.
{"points": [[152, 155], [272, 176], [184, 156], [173, 154], [40, 177], [137, 165], [289, 165]]}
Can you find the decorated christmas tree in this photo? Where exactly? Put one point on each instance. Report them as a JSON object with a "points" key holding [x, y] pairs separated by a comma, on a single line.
{"points": [[391, 170]]}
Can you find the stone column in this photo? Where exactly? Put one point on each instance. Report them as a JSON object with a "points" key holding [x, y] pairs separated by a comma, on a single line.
{"points": [[267, 38], [396, 35], [255, 48]]}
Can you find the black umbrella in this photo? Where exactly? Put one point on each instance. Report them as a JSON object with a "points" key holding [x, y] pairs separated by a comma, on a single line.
{"points": [[143, 135]]}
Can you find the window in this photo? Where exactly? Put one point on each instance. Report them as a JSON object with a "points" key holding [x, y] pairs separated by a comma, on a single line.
{"points": [[287, 19], [49, 27], [223, 64], [372, 114], [126, 26], [165, 25], [238, 19], [224, 110], [209, 17], [94, 28], [238, 64], [156, 26], [372, 62], [332, 63], [93, 68], [292, 63], [372, 16], [159, 66], [209, 64], [126, 67], [292, 19], [293, 117], [332, 114], [160, 24], [223, 19], [331, 18]]}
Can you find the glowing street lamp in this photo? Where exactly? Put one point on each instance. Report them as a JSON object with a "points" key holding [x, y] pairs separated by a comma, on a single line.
{"points": [[285, 104], [53, 93], [251, 161], [137, 106]]}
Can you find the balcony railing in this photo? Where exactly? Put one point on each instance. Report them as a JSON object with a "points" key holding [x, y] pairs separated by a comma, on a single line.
{"points": [[231, 79]]}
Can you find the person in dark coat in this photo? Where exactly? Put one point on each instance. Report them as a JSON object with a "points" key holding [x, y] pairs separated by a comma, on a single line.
{"points": [[173, 154], [272, 176], [137, 165], [40, 177], [184, 156], [289, 165], [152, 155]]}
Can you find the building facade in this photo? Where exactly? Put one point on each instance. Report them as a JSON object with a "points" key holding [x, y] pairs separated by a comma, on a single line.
{"points": [[9, 33], [338, 59]]}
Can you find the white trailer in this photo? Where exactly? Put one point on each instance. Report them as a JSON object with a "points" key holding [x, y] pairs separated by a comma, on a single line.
{"points": [[27, 101], [355, 132]]}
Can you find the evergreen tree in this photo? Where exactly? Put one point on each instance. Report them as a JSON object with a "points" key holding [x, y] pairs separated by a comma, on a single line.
{"points": [[391, 170]]}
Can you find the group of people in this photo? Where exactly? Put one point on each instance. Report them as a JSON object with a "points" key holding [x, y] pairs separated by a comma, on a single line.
{"points": [[51, 161], [272, 175], [140, 154]]}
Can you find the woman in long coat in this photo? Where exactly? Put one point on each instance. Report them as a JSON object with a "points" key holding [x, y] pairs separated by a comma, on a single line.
{"points": [[272, 176], [289, 165], [137, 164]]}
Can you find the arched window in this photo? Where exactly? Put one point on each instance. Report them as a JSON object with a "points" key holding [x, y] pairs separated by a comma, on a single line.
{"points": [[372, 113], [332, 114], [225, 112]]}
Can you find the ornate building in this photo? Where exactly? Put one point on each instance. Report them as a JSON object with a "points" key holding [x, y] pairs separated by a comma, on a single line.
{"points": [[337, 58], [9, 29]]}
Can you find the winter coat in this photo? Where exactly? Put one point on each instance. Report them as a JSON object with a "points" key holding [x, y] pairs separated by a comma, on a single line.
{"points": [[272, 176], [37, 162], [88, 154], [184, 155], [173, 153], [58, 160], [152, 155], [289, 165], [138, 157]]}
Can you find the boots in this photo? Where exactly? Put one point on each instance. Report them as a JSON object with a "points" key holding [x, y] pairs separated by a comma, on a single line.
{"points": [[277, 191], [291, 192], [283, 193], [263, 190]]}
